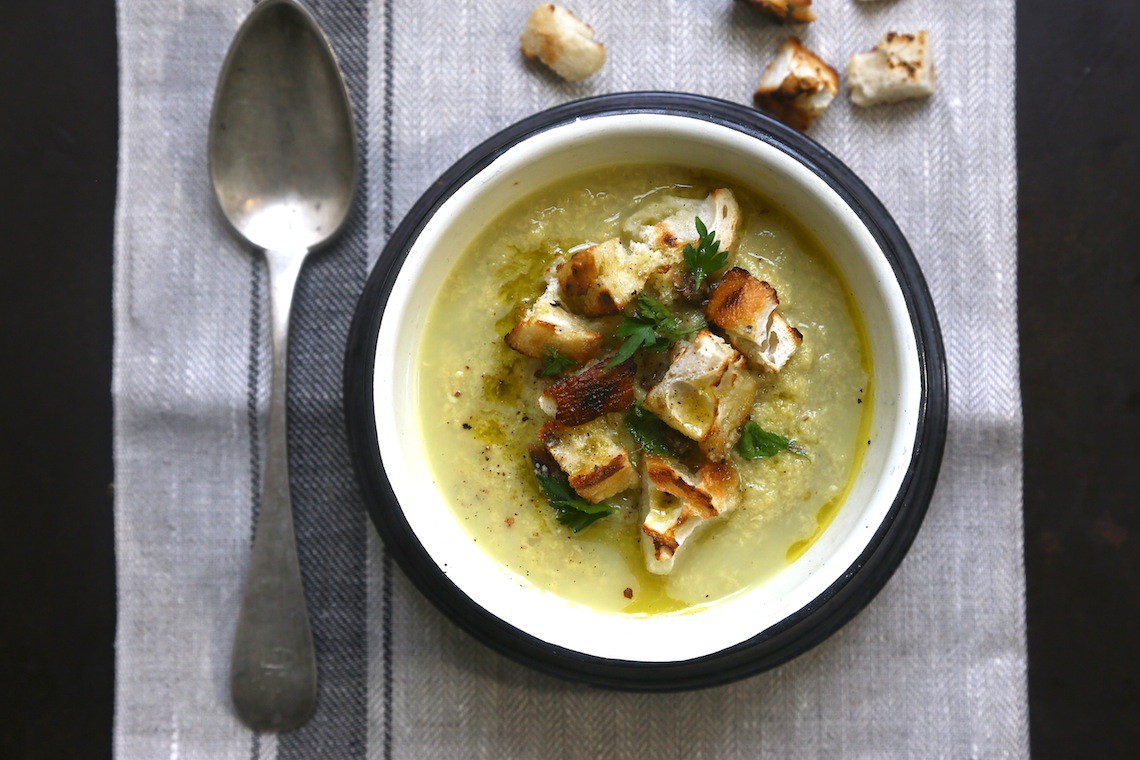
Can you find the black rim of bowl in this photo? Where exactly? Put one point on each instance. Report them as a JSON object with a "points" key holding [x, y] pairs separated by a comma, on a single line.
{"points": [[787, 639]]}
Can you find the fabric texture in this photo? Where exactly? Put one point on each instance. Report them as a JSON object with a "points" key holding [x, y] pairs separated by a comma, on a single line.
{"points": [[934, 667]]}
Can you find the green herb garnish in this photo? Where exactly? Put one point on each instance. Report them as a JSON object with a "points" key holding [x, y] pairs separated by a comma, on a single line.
{"points": [[706, 258], [554, 362], [757, 443], [573, 511], [650, 326], [648, 430]]}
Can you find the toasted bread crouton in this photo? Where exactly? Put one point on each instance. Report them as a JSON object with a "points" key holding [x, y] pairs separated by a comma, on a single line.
{"points": [[668, 225], [549, 324], [899, 68], [797, 86], [596, 390], [604, 278], [745, 308], [706, 394], [783, 340], [675, 503], [597, 465], [798, 11], [562, 41], [713, 491]]}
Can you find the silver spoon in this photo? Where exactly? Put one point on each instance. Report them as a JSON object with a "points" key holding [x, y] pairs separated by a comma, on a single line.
{"points": [[283, 165]]}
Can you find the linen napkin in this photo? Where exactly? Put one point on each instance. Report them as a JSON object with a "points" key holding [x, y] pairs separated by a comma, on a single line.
{"points": [[934, 667]]}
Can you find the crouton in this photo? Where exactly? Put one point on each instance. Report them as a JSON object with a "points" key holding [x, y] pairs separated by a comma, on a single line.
{"points": [[671, 223], [713, 491], [798, 11], [596, 390], [603, 279], [797, 86], [706, 394], [900, 67], [562, 41], [782, 342], [549, 325], [674, 504], [745, 308], [597, 465]]}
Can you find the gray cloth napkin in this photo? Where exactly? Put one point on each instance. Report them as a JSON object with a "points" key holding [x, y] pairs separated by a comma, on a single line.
{"points": [[935, 666]]}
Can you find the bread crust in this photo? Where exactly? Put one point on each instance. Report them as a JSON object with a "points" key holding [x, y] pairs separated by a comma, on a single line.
{"points": [[596, 390], [797, 86], [745, 309], [596, 465], [549, 325], [795, 11], [563, 42], [900, 67], [706, 394], [675, 503]]}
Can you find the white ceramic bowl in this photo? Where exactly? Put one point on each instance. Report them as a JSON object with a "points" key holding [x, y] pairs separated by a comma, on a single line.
{"points": [[765, 624]]}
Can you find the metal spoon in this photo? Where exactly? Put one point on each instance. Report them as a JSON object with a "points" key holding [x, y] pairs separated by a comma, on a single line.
{"points": [[283, 165]]}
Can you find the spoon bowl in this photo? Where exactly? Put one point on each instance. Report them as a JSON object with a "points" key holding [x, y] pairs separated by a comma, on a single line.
{"points": [[282, 143], [283, 163]]}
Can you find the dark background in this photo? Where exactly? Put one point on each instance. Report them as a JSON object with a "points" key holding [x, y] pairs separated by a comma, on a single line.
{"points": [[1078, 101], [1078, 132]]}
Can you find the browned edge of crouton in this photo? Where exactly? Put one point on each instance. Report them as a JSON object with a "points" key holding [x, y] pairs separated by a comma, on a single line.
{"points": [[798, 11], [597, 483], [577, 276], [739, 295], [666, 478], [533, 336], [595, 391], [787, 101]]}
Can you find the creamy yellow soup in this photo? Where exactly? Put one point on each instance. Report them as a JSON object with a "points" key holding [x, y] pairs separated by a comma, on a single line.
{"points": [[479, 403]]}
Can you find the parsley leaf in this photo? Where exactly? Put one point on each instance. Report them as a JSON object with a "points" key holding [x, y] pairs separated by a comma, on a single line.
{"points": [[554, 362], [579, 521], [706, 258], [757, 443], [573, 511], [647, 430], [650, 326], [655, 311], [637, 334]]}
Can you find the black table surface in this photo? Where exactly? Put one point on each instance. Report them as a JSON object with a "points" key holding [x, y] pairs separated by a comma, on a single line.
{"points": [[1078, 118]]}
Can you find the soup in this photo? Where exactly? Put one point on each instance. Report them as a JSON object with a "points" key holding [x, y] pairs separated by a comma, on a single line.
{"points": [[481, 413]]}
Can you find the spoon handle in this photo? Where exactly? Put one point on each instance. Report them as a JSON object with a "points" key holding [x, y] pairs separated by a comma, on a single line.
{"points": [[273, 674]]}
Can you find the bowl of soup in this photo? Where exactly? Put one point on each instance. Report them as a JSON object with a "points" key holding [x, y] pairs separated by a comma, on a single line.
{"points": [[647, 391]]}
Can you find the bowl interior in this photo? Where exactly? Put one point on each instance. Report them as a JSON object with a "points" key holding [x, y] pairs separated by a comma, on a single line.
{"points": [[603, 141]]}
